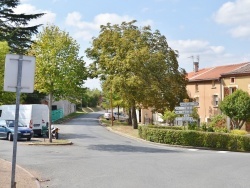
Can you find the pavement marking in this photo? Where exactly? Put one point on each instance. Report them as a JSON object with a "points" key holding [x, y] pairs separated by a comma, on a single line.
{"points": [[222, 152], [192, 149]]}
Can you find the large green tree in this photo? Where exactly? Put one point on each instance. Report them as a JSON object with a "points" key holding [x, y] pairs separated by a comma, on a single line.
{"points": [[5, 97], [14, 27], [237, 107], [139, 65], [60, 71]]}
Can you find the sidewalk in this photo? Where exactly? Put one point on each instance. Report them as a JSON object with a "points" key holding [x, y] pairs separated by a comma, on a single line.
{"points": [[23, 178]]}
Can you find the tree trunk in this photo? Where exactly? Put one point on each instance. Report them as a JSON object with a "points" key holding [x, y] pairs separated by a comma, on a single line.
{"points": [[129, 117], [134, 119], [50, 116]]}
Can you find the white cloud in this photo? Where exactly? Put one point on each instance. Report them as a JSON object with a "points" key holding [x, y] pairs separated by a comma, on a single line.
{"points": [[86, 30], [236, 15], [209, 55], [49, 17], [241, 31]]}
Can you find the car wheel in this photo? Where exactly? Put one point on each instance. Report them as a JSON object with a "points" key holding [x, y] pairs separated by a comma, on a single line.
{"points": [[10, 137], [28, 139]]}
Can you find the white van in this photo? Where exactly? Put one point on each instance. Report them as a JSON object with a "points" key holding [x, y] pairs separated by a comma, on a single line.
{"points": [[31, 115]]}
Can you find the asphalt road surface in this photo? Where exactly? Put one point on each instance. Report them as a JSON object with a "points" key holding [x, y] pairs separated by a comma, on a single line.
{"points": [[102, 159]]}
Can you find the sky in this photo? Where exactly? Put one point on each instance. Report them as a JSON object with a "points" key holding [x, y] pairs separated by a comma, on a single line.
{"points": [[215, 32]]}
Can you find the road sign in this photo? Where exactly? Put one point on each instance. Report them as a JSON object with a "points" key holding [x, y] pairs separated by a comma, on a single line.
{"points": [[189, 104], [186, 115], [183, 108], [183, 112], [184, 119]]}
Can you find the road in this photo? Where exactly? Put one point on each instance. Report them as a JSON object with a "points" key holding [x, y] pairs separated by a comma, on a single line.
{"points": [[102, 159]]}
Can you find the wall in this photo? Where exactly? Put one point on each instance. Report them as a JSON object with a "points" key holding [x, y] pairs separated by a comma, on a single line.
{"points": [[206, 90], [67, 107]]}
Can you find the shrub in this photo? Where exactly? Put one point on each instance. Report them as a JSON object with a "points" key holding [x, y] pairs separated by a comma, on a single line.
{"points": [[238, 132], [217, 124], [213, 140], [192, 126]]}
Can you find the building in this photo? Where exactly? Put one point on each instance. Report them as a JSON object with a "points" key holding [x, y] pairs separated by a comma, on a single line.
{"points": [[208, 86]]}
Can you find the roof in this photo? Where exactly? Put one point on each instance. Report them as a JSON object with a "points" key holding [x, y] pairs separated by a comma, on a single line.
{"points": [[242, 70], [214, 73]]}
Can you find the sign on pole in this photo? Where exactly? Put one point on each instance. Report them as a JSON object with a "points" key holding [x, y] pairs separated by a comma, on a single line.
{"points": [[18, 77], [189, 104], [184, 119], [183, 108], [184, 112], [11, 69]]}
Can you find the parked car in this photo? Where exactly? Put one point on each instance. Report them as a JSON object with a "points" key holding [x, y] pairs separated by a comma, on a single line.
{"points": [[7, 130], [122, 116]]}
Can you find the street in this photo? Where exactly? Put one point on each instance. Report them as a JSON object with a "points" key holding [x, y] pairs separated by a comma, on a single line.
{"points": [[99, 158]]}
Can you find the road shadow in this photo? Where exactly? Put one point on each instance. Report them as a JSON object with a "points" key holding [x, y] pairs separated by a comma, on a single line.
{"points": [[129, 148]]}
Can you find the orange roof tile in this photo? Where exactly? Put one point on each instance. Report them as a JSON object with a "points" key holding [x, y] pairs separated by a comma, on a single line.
{"points": [[212, 73]]}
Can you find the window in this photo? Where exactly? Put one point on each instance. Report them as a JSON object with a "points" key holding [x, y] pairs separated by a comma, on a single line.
{"points": [[232, 80], [196, 88], [232, 89], [213, 84], [215, 100]]}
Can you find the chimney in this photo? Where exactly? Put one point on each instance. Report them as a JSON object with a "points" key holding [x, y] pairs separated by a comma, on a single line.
{"points": [[196, 66]]}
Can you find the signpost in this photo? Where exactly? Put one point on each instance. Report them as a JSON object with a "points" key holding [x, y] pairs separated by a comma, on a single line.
{"points": [[18, 77], [184, 119], [185, 108]]}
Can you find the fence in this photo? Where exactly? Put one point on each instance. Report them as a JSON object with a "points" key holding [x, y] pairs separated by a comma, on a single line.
{"points": [[57, 114]]}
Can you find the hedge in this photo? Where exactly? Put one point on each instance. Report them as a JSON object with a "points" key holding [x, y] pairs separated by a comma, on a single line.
{"points": [[222, 141]]}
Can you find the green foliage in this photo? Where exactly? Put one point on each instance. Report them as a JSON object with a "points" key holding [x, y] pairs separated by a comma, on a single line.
{"points": [[195, 114], [165, 127], [220, 141], [14, 27], [169, 116], [138, 65], [33, 98], [5, 97], [238, 132], [91, 98], [236, 106], [193, 126], [217, 124], [59, 69]]}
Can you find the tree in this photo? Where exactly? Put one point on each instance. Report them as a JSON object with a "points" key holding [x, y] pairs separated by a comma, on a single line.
{"points": [[60, 72], [14, 27], [91, 98], [5, 97], [139, 65], [169, 116], [33, 98], [236, 106]]}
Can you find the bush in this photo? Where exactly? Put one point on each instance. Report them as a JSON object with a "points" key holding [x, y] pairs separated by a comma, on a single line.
{"points": [[238, 132], [193, 126], [213, 140], [217, 124]]}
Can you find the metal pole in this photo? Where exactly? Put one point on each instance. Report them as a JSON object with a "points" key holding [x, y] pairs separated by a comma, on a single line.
{"points": [[18, 93]]}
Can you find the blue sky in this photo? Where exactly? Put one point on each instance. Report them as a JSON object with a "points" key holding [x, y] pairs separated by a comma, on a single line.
{"points": [[218, 31]]}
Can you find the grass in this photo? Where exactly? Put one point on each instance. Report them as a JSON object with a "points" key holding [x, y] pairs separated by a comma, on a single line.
{"points": [[121, 127]]}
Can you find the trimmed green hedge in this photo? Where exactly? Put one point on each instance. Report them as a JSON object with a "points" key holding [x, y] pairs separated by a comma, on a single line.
{"points": [[222, 141]]}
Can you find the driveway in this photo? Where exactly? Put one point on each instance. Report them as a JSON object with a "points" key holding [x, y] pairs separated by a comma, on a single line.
{"points": [[102, 159]]}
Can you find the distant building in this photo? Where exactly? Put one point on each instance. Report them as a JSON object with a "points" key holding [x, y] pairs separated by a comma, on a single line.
{"points": [[208, 86]]}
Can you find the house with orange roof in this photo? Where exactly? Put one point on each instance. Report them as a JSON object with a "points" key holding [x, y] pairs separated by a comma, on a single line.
{"points": [[208, 86]]}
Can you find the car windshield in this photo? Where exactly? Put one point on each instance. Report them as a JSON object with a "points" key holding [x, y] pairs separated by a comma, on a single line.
{"points": [[11, 123]]}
